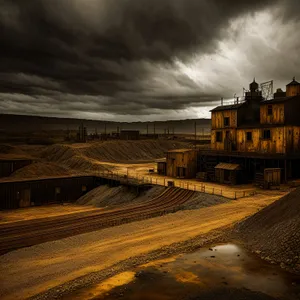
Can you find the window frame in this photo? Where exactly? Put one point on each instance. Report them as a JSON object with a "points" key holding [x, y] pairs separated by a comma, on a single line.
{"points": [[226, 124], [220, 135], [264, 136], [247, 136], [270, 110]]}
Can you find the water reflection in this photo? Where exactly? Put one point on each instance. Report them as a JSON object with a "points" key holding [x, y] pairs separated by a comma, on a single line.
{"points": [[220, 272]]}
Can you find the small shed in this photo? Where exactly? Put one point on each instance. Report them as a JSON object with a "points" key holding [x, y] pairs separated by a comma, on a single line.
{"points": [[182, 163], [272, 177], [227, 173]]}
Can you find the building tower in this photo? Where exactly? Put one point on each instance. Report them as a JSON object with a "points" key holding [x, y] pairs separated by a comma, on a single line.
{"points": [[254, 93], [293, 88]]}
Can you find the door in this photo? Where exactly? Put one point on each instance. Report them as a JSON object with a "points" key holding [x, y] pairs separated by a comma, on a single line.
{"points": [[25, 197]]}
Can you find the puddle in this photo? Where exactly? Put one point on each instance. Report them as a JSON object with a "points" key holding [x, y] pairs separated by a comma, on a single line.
{"points": [[221, 272]]}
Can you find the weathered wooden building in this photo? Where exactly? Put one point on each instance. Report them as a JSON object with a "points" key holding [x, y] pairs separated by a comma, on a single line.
{"points": [[24, 193], [182, 163], [256, 134]]}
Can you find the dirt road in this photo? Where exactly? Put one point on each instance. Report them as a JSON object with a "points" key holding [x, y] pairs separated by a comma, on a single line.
{"points": [[27, 272]]}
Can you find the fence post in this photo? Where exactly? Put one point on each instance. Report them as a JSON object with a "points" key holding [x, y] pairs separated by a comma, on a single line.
{"points": [[234, 195], [244, 194], [156, 181], [194, 187], [221, 192]]}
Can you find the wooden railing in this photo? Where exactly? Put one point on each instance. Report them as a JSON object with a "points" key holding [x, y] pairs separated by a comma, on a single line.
{"points": [[184, 184]]}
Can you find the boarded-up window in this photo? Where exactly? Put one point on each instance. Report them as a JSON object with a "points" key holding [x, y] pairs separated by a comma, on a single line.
{"points": [[267, 134], [226, 121], [249, 136], [219, 136], [270, 110]]}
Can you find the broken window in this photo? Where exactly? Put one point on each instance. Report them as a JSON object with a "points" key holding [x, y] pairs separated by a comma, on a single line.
{"points": [[267, 134], [249, 136], [226, 121], [270, 110], [219, 136]]}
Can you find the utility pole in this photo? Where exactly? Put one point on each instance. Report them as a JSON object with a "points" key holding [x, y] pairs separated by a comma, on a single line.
{"points": [[195, 133]]}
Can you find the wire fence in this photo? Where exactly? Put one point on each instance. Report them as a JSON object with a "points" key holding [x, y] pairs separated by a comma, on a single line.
{"points": [[137, 179]]}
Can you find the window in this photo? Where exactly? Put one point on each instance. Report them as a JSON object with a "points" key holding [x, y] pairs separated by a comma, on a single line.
{"points": [[249, 136], [226, 121], [270, 110], [267, 134], [219, 136]]}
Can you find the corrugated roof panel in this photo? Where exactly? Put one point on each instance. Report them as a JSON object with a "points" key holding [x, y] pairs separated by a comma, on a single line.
{"points": [[228, 166]]}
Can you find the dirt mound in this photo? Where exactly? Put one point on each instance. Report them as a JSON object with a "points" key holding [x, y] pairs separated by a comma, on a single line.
{"points": [[41, 170], [71, 158], [105, 196], [200, 200], [5, 149], [88, 157], [131, 151], [274, 232]]}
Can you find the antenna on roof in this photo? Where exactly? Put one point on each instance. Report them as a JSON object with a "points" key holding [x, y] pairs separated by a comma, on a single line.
{"points": [[294, 78], [222, 101]]}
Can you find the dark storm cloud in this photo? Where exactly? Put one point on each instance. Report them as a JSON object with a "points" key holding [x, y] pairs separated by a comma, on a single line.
{"points": [[109, 49]]}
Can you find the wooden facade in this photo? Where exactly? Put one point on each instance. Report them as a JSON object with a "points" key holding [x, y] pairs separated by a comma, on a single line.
{"points": [[182, 163], [162, 168], [274, 128], [227, 173], [257, 134]]}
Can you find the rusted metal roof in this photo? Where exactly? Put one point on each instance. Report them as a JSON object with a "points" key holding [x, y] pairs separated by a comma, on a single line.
{"points": [[227, 166], [228, 107]]}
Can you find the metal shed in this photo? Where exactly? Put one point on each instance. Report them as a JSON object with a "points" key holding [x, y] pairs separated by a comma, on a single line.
{"points": [[227, 173]]}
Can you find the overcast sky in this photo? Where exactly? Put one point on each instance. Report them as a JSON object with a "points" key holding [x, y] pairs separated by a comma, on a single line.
{"points": [[139, 60]]}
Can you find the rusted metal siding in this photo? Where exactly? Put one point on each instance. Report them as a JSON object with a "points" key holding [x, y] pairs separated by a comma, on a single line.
{"points": [[292, 90], [277, 116], [187, 160], [228, 142], [248, 146], [217, 118], [39, 192]]}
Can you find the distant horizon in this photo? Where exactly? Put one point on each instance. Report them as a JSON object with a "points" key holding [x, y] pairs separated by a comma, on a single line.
{"points": [[96, 120]]}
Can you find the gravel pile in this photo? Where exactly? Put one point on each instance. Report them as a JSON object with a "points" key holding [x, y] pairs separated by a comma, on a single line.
{"points": [[105, 196], [128, 151], [200, 200], [41, 169], [274, 232]]}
